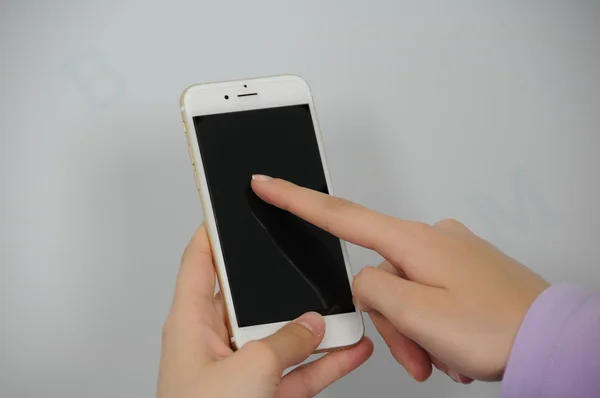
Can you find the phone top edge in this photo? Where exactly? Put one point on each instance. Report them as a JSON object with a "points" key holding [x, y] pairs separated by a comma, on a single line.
{"points": [[250, 79]]}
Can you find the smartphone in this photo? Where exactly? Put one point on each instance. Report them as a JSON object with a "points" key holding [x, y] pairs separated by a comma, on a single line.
{"points": [[271, 265]]}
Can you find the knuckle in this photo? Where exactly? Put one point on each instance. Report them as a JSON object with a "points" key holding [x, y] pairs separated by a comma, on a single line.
{"points": [[418, 230], [256, 347], [332, 207], [262, 354], [449, 223], [364, 280], [298, 334], [371, 284], [333, 204], [309, 381]]}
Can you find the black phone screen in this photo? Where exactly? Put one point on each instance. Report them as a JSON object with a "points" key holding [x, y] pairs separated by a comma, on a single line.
{"points": [[278, 265]]}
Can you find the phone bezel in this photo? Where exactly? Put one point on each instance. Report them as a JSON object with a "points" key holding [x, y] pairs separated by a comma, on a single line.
{"points": [[342, 330]]}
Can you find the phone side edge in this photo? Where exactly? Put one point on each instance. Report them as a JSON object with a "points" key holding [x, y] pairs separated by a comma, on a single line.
{"points": [[210, 222]]}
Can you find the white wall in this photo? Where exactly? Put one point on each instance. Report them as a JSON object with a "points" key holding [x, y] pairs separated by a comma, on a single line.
{"points": [[483, 111]]}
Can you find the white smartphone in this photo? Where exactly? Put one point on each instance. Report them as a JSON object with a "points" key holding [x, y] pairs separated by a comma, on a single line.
{"points": [[271, 265]]}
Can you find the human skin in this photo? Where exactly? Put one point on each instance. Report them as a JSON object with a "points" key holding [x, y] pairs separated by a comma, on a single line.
{"points": [[197, 361], [443, 296]]}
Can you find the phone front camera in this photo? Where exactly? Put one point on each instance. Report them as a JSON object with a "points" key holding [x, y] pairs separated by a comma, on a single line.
{"points": [[226, 97]]}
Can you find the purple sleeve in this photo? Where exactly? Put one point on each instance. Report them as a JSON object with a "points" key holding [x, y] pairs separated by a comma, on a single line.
{"points": [[557, 350]]}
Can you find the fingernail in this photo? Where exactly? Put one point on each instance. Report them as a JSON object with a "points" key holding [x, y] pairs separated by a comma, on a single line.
{"points": [[465, 379], [454, 376], [260, 177], [313, 322]]}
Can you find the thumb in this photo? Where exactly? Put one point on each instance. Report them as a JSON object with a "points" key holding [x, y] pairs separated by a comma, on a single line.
{"points": [[406, 304], [294, 342]]}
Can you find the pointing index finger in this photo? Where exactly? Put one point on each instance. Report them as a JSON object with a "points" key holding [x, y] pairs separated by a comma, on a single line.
{"points": [[342, 218]]}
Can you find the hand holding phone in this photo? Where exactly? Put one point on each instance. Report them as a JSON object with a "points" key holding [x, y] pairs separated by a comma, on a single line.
{"points": [[196, 358]]}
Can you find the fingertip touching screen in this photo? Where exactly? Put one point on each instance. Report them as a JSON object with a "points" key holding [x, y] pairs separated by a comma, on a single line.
{"points": [[278, 265]]}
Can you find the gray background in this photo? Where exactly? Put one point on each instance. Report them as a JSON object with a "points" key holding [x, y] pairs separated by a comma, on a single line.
{"points": [[483, 111]]}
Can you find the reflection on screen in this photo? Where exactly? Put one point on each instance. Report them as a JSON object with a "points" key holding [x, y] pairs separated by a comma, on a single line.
{"points": [[278, 265]]}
